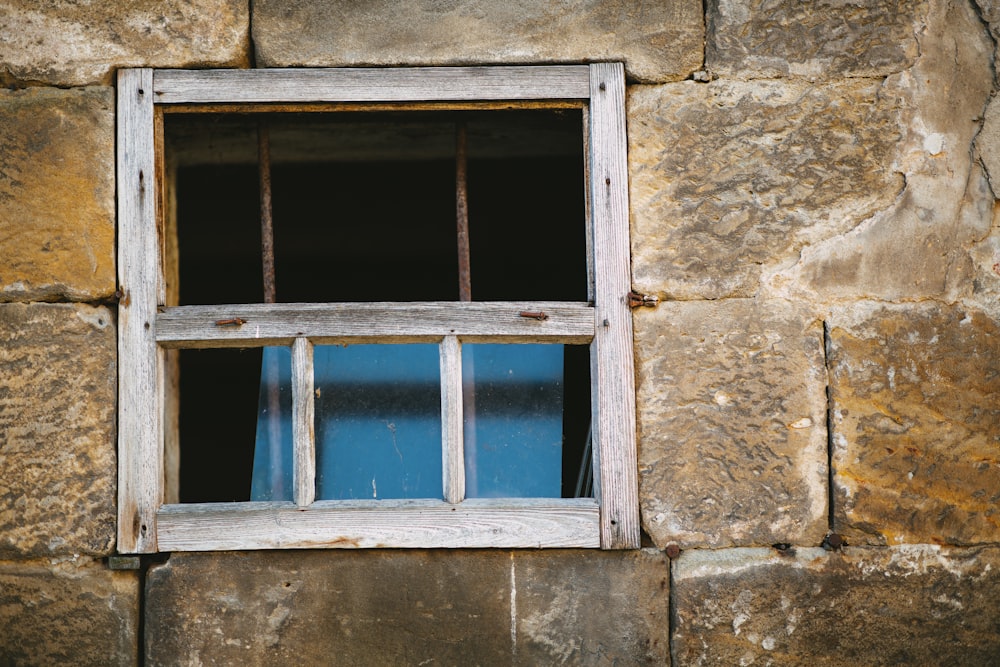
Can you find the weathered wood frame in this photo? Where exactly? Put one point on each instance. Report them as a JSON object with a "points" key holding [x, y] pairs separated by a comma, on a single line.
{"points": [[149, 328]]}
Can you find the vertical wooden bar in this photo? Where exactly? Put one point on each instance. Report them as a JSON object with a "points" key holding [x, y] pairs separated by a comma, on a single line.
{"points": [[164, 274], [140, 455], [615, 474], [303, 429], [166, 216], [587, 194], [452, 452]]}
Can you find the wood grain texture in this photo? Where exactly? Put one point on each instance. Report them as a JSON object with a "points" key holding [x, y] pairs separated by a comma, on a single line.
{"points": [[140, 464], [588, 206], [452, 449], [303, 423], [334, 323], [415, 524], [615, 473], [610, 521], [411, 84]]}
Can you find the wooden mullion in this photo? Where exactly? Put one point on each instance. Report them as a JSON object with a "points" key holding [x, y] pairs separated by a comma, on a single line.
{"points": [[303, 423], [366, 85], [612, 372], [140, 455], [453, 451], [160, 205], [169, 294]]}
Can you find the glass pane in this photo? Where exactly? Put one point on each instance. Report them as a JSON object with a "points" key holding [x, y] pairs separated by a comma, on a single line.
{"points": [[513, 408], [378, 421], [272, 460]]}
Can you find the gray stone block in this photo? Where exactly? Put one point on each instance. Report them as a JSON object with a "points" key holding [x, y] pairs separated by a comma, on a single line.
{"points": [[74, 612], [817, 39], [68, 43], [658, 41], [729, 178], [917, 247], [409, 607], [732, 423], [57, 420], [908, 605]]}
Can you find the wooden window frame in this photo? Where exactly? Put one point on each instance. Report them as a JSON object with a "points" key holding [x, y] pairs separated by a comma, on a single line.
{"points": [[148, 329]]}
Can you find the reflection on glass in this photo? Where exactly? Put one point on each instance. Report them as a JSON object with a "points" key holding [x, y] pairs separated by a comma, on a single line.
{"points": [[378, 421], [513, 408], [272, 460]]}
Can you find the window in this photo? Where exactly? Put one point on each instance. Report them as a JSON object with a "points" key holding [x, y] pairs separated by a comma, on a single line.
{"points": [[422, 340]]}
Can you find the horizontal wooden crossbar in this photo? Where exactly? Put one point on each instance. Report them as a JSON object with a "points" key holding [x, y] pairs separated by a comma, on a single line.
{"points": [[257, 325], [409, 84]]}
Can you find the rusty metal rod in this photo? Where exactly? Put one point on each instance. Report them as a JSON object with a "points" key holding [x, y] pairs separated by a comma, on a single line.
{"points": [[465, 294], [462, 213], [271, 369], [266, 221]]}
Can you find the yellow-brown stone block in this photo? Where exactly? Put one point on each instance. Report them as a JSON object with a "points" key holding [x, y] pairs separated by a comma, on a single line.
{"points": [[57, 194], [916, 424], [732, 432], [57, 430]]}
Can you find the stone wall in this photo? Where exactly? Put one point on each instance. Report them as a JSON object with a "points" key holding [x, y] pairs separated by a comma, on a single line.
{"points": [[813, 197]]}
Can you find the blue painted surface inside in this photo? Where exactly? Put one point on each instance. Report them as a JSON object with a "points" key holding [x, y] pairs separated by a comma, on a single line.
{"points": [[513, 420], [378, 422]]}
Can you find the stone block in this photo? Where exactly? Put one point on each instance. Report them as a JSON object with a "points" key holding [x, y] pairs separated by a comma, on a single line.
{"points": [[57, 417], [732, 423], [729, 178], [57, 194], [909, 605], [591, 608], [445, 607], [68, 613], [916, 424], [657, 41], [824, 39], [69, 43], [918, 247]]}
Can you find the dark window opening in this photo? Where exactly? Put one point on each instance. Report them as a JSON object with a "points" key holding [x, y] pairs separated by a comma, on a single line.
{"points": [[364, 210]]}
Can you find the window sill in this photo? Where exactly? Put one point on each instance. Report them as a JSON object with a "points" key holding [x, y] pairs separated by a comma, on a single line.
{"points": [[359, 524]]}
